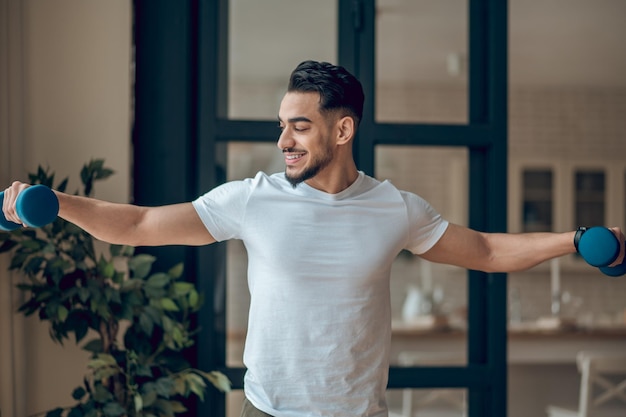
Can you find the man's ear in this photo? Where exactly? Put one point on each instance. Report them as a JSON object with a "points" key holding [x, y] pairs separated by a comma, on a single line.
{"points": [[345, 130]]}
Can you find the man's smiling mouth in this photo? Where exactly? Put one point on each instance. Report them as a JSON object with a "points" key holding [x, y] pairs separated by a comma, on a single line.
{"points": [[292, 157]]}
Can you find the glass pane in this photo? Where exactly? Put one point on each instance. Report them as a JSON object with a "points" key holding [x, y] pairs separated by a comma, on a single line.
{"points": [[427, 402], [267, 40], [421, 61], [244, 161], [563, 105], [537, 202], [589, 198], [428, 300]]}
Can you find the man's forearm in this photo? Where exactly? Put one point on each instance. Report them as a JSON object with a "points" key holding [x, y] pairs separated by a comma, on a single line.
{"points": [[110, 222], [518, 252]]}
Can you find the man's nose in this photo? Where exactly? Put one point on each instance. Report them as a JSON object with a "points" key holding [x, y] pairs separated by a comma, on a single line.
{"points": [[284, 140]]}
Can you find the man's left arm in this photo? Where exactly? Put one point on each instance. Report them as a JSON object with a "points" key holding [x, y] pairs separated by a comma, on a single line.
{"points": [[503, 252]]}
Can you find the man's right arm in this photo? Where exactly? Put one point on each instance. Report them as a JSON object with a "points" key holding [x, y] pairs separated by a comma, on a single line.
{"points": [[127, 224]]}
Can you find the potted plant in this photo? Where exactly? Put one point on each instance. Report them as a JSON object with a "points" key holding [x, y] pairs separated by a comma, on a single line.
{"points": [[135, 322]]}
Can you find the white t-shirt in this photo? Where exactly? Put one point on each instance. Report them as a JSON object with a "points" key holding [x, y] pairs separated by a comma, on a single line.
{"points": [[318, 272]]}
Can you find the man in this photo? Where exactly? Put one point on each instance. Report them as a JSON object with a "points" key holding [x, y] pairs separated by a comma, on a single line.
{"points": [[321, 238]]}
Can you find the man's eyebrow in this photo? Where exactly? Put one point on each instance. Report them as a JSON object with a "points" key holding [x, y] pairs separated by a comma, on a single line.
{"points": [[296, 119]]}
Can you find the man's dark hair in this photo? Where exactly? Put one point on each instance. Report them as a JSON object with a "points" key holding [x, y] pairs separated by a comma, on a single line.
{"points": [[338, 89]]}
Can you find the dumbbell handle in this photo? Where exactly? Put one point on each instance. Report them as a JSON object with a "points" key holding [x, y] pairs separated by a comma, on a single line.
{"points": [[36, 206], [599, 247]]}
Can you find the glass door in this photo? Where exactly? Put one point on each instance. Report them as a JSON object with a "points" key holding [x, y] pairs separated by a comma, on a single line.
{"points": [[433, 124]]}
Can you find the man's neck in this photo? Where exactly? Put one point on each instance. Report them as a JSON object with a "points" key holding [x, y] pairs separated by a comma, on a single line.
{"points": [[334, 181]]}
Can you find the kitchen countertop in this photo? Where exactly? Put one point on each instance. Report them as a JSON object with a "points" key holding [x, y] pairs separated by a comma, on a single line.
{"points": [[541, 328], [528, 343]]}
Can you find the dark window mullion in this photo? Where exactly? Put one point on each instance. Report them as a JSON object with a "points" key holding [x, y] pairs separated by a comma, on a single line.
{"points": [[431, 135]]}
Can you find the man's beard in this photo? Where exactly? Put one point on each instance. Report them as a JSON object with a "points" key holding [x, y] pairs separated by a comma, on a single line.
{"points": [[311, 171]]}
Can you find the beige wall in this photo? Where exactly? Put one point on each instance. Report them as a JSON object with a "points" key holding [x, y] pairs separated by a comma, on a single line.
{"points": [[64, 99]]}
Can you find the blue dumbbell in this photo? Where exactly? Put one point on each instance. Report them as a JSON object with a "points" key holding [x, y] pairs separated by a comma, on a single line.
{"points": [[599, 247], [36, 206]]}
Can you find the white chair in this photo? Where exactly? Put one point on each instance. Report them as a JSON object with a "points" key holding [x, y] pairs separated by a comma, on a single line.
{"points": [[602, 387], [452, 398]]}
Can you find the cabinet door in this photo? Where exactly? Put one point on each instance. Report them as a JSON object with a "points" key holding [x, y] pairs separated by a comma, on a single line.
{"points": [[537, 199], [589, 197]]}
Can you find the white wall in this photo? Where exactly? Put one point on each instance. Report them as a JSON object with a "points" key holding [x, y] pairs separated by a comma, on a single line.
{"points": [[65, 90]]}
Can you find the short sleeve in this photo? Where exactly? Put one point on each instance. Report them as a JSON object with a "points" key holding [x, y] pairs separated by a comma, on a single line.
{"points": [[426, 226], [223, 208]]}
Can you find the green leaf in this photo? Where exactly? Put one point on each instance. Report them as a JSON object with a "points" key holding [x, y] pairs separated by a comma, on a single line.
{"points": [[55, 269], [143, 370], [146, 323], [109, 270], [77, 253], [176, 271], [131, 284], [102, 359], [7, 245], [178, 336], [103, 311], [112, 295], [96, 164], [32, 244], [165, 387], [29, 307], [154, 314], [62, 313], [101, 394], [196, 385], [106, 269], [115, 250], [26, 287], [149, 397], [113, 410], [128, 251], [94, 346], [178, 407], [30, 233], [194, 299], [180, 387], [140, 265], [78, 393], [34, 265], [168, 324], [57, 412], [18, 260], [62, 185], [218, 379], [158, 280], [118, 278], [138, 402], [72, 229], [116, 297], [83, 294], [154, 292], [44, 296], [49, 249], [182, 288], [80, 330], [169, 305], [104, 173], [76, 412]]}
